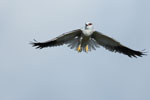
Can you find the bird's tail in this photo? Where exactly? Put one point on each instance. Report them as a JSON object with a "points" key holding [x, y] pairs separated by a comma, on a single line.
{"points": [[90, 45]]}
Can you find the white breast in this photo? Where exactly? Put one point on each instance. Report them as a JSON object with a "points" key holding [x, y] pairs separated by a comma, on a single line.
{"points": [[87, 32]]}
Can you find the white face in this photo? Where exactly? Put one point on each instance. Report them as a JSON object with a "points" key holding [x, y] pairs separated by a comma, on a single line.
{"points": [[88, 25]]}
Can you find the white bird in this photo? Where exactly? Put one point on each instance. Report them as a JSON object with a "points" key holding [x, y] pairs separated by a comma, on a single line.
{"points": [[87, 39]]}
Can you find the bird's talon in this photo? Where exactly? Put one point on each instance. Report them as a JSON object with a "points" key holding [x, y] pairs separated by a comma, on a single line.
{"points": [[86, 48], [79, 48]]}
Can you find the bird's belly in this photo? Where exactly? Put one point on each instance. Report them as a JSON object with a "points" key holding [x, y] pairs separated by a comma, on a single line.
{"points": [[85, 40], [87, 32]]}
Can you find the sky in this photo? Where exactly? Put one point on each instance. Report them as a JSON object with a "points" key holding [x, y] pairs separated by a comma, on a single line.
{"points": [[60, 73]]}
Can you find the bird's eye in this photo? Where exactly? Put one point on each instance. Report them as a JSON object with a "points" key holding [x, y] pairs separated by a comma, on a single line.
{"points": [[90, 24]]}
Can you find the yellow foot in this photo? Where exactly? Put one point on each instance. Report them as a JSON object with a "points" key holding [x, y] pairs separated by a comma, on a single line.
{"points": [[86, 48], [79, 48]]}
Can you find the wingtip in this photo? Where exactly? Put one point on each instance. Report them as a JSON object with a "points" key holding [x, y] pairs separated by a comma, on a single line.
{"points": [[139, 54], [130, 53], [35, 44], [144, 53]]}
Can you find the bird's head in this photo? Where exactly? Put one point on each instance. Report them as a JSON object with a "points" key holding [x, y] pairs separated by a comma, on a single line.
{"points": [[88, 25]]}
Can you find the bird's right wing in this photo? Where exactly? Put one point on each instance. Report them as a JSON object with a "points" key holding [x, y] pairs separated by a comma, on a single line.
{"points": [[60, 40]]}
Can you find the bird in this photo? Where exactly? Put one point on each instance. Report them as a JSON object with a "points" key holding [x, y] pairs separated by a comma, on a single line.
{"points": [[87, 39]]}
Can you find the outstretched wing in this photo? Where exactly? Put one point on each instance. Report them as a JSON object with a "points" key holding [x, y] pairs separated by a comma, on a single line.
{"points": [[60, 40], [114, 46]]}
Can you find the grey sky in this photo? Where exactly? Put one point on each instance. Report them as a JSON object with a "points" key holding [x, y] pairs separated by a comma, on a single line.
{"points": [[60, 73]]}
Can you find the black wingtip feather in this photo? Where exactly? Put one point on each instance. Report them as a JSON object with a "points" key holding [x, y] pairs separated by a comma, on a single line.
{"points": [[38, 45], [129, 52]]}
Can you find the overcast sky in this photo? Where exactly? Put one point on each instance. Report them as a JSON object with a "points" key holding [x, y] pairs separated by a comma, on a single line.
{"points": [[61, 73]]}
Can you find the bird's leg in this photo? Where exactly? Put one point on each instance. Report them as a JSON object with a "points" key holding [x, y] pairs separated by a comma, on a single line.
{"points": [[86, 48], [79, 48]]}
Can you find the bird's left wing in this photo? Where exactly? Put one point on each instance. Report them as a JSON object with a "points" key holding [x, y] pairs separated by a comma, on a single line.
{"points": [[113, 45], [60, 40]]}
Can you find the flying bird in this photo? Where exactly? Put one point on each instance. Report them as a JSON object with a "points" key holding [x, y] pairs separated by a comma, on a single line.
{"points": [[87, 39]]}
